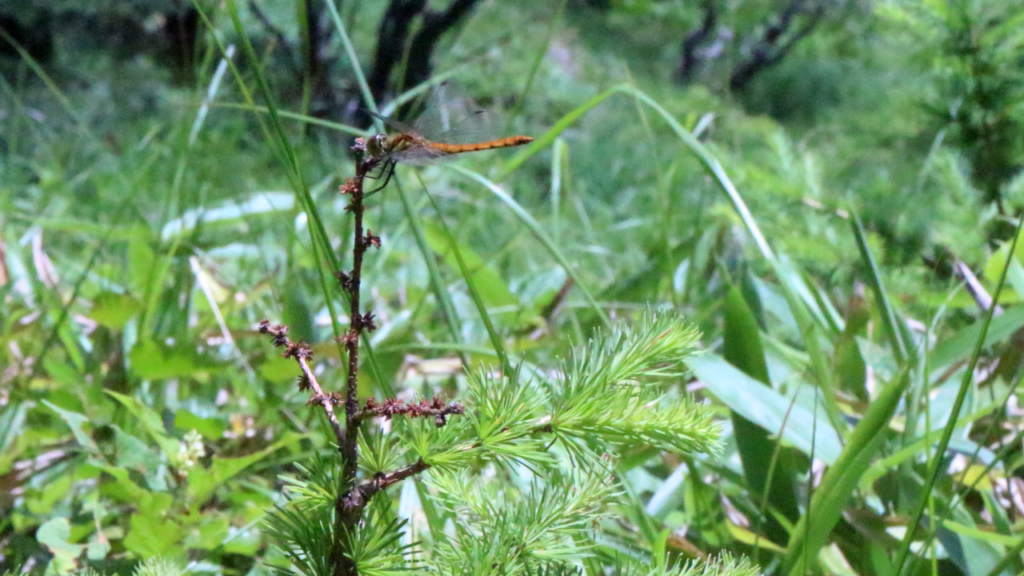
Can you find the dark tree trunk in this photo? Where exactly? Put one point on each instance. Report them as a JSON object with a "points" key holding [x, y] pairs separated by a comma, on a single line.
{"points": [[182, 33], [776, 41], [435, 24], [35, 37], [392, 37], [690, 61]]}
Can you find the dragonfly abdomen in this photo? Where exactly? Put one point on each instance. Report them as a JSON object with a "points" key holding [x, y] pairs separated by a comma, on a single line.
{"points": [[501, 143]]}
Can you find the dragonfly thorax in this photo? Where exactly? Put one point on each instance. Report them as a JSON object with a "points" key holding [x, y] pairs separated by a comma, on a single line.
{"points": [[376, 146]]}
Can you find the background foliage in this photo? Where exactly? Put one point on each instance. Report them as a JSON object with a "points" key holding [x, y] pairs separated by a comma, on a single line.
{"points": [[836, 227]]}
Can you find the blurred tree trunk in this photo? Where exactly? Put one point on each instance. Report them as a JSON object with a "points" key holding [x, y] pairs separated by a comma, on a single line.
{"points": [[168, 31], [392, 38], [595, 4], [418, 68], [316, 34], [182, 33], [779, 34], [394, 46], [691, 59], [34, 34], [792, 24]]}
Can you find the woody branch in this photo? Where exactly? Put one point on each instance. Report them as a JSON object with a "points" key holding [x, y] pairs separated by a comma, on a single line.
{"points": [[302, 353]]}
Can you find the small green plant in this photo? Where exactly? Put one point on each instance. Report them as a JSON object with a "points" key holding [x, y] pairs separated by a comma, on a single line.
{"points": [[519, 473]]}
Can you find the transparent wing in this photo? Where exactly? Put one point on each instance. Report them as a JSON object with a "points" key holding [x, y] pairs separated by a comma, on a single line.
{"points": [[422, 157], [448, 116], [392, 124]]}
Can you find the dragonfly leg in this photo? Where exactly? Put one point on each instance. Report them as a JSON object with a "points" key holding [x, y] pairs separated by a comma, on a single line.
{"points": [[380, 171], [389, 168]]}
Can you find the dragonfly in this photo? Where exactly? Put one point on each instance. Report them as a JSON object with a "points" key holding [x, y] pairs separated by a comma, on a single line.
{"points": [[407, 145]]}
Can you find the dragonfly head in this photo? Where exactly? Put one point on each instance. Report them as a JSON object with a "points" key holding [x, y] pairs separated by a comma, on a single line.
{"points": [[376, 146]]}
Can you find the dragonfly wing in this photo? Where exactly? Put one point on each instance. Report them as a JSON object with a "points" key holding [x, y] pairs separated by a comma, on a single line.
{"points": [[449, 116], [421, 156], [392, 124]]}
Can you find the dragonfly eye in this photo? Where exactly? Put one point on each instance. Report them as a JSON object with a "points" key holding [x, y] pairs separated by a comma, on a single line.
{"points": [[376, 145]]}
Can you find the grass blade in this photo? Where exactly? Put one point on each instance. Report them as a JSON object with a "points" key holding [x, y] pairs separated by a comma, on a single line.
{"points": [[947, 433], [893, 331], [444, 301], [766, 473], [467, 276], [540, 234], [839, 482]]}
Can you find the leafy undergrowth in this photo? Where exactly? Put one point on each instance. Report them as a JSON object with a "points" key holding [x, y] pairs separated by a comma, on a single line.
{"points": [[142, 414]]}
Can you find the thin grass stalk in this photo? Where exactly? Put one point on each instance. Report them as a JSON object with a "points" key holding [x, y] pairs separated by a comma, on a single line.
{"points": [[538, 232], [892, 329], [947, 433], [555, 19], [444, 301], [467, 276]]}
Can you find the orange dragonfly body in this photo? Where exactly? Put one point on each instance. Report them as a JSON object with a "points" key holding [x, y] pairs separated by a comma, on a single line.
{"points": [[408, 145], [411, 148]]}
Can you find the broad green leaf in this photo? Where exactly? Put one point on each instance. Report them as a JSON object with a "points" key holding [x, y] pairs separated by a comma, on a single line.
{"points": [[12, 420], [203, 481], [277, 368], [297, 316], [151, 534], [210, 534], [979, 534], [141, 263], [210, 428], [828, 503], [54, 534], [742, 349], [972, 553], [152, 361], [151, 421], [540, 233], [469, 274], [244, 541], [98, 547], [848, 363], [75, 421], [133, 453], [114, 310], [959, 346], [124, 489], [493, 289], [61, 371], [1015, 274], [747, 537], [767, 408], [43, 501]]}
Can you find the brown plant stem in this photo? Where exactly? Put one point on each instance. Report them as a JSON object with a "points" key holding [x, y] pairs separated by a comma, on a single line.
{"points": [[324, 400], [382, 481], [302, 353], [351, 501], [353, 496]]}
